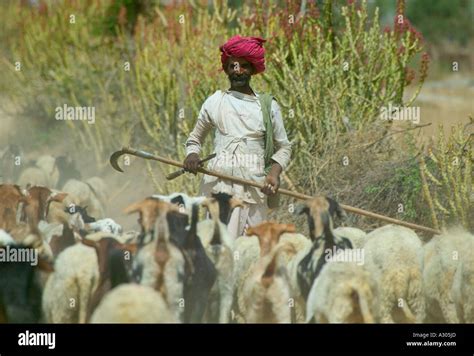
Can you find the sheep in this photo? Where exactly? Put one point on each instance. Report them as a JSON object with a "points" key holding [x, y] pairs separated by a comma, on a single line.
{"points": [[20, 286], [69, 289], [394, 257], [83, 194], [251, 261], [105, 225], [343, 293], [463, 284], [161, 265], [33, 176], [447, 277], [132, 303], [356, 236]]}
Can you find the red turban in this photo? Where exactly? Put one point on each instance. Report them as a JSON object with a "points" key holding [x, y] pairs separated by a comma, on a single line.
{"points": [[249, 48]]}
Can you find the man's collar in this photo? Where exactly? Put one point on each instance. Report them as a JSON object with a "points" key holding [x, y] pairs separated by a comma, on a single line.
{"points": [[243, 96]]}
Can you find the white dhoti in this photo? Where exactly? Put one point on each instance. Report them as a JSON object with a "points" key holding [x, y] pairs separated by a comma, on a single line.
{"points": [[241, 218]]}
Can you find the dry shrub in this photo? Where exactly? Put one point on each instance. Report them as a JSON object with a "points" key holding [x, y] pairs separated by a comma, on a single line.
{"points": [[447, 175]]}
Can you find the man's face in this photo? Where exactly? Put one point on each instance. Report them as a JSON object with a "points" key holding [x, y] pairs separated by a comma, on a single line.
{"points": [[239, 71]]}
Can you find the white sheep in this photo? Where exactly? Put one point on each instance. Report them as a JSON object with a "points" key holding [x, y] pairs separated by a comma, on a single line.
{"points": [[357, 237], [33, 176], [132, 303], [463, 284], [105, 225], [69, 289], [448, 277], [342, 293], [394, 258], [76, 276]]}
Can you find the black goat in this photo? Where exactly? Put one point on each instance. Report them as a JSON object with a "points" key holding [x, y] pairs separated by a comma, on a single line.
{"points": [[200, 273], [20, 287]]}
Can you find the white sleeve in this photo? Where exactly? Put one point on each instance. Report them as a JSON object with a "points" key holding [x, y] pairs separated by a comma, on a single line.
{"points": [[281, 143], [203, 125]]}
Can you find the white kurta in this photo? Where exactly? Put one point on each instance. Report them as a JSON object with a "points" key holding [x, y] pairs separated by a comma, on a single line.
{"points": [[239, 144]]}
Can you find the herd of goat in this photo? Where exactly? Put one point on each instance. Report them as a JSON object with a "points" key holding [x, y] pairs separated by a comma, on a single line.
{"points": [[179, 267]]}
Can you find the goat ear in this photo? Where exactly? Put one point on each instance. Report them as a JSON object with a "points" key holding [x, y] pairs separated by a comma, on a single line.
{"points": [[250, 231], [335, 209], [207, 202], [89, 243], [131, 247], [289, 228], [59, 197], [301, 208], [45, 265]]}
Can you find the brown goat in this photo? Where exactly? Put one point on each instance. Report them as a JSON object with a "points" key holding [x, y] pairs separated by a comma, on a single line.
{"points": [[268, 234], [11, 197], [112, 269]]}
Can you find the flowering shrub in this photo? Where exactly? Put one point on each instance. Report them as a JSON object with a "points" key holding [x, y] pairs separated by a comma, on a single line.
{"points": [[330, 67]]}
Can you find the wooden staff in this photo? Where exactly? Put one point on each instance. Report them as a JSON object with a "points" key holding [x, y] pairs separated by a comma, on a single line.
{"points": [[127, 150]]}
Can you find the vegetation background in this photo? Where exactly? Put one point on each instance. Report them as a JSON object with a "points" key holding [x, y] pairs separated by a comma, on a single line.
{"points": [[147, 67]]}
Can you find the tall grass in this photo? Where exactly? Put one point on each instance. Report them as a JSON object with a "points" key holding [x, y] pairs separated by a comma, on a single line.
{"points": [[331, 69]]}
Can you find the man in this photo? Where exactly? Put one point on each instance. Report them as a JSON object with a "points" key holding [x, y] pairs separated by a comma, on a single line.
{"points": [[240, 139]]}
